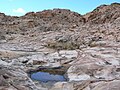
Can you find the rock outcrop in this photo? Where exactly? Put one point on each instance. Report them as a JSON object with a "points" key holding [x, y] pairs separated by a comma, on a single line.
{"points": [[104, 14], [87, 47]]}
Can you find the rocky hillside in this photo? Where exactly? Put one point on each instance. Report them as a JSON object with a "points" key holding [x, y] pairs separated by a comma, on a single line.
{"points": [[85, 48], [104, 14]]}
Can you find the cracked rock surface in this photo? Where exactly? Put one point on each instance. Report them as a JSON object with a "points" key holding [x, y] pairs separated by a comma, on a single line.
{"points": [[87, 47]]}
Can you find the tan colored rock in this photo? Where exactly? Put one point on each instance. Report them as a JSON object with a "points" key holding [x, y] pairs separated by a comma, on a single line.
{"points": [[112, 85], [87, 47]]}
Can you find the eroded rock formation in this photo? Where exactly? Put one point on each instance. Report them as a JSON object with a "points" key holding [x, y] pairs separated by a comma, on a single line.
{"points": [[86, 46]]}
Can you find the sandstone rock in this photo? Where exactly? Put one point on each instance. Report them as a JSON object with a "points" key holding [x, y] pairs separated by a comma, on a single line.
{"points": [[3, 82], [113, 85], [103, 14], [85, 47]]}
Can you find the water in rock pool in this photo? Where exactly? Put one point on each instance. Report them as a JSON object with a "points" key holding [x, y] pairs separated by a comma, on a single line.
{"points": [[47, 77]]}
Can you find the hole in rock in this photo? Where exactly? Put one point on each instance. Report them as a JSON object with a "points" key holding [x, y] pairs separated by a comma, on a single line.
{"points": [[44, 74], [47, 77]]}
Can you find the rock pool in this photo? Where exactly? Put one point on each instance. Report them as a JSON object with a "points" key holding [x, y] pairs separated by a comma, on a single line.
{"points": [[47, 77]]}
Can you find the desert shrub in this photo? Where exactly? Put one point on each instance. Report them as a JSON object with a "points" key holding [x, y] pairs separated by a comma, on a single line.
{"points": [[61, 46]]}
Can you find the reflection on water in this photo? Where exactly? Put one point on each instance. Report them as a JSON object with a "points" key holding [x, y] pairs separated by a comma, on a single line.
{"points": [[45, 77]]}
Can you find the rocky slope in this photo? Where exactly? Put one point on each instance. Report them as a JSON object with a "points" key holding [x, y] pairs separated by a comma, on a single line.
{"points": [[104, 14], [86, 46]]}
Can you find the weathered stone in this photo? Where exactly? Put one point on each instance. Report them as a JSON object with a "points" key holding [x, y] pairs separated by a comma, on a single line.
{"points": [[112, 85], [85, 48]]}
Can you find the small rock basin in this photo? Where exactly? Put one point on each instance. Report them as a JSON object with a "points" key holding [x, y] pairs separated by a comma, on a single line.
{"points": [[49, 74], [47, 77]]}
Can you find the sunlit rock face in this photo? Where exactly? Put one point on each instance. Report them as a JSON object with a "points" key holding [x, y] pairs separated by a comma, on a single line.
{"points": [[85, 49]]}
